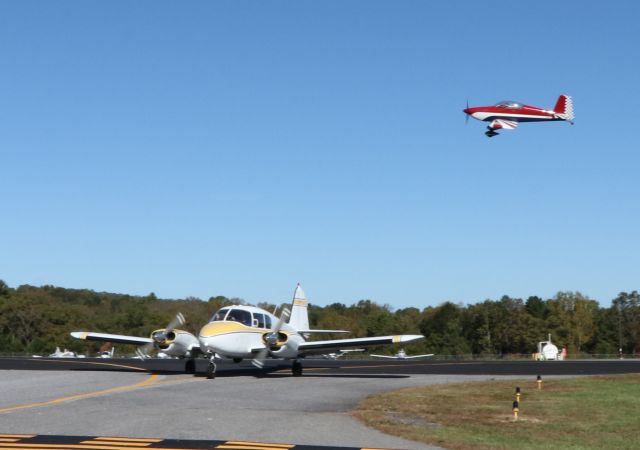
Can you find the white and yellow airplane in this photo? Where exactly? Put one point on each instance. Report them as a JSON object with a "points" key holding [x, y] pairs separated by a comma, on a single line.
{"points": [[246, 332], [401, 355]]}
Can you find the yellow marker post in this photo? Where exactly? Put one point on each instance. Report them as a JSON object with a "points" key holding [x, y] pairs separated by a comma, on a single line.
{"points": [[515, 410], [518, 394], [539, 381]]}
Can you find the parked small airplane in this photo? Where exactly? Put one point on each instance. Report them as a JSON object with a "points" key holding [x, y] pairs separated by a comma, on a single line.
{"points": [[64, 354], [402, 355], [508, 114], [241, 332], [341, 353]]}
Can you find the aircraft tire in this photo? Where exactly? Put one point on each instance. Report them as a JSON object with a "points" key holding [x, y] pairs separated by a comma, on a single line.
{"points": [[211, 371], [296, 369]]}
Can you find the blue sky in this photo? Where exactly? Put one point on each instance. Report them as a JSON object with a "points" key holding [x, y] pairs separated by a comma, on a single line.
{"points": [[236, 148]]}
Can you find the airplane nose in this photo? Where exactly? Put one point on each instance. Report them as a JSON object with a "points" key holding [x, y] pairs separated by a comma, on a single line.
{"points": [[467, 110]]}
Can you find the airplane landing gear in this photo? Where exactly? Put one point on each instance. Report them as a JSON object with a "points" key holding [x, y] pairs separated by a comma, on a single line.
{"points": [[190, 366], [296, 369], [211, 368], [491, 132]]}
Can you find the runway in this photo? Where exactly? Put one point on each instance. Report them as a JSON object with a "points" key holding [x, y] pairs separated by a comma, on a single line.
{"points": [[84, 399], [336, 367]]}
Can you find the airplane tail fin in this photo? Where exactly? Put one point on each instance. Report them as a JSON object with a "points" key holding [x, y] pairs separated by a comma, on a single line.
{"points": [[564, 108], [299, 315]]}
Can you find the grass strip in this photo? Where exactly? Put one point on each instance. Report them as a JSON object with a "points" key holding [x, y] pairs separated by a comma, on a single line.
{"points": [[580, 413]]}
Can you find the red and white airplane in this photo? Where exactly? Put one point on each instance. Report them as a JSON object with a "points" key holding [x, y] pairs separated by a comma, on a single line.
{"points": [[508, 114]]}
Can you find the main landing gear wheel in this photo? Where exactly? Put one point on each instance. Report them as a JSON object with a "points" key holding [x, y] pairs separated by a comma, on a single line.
{"points": [[211, 370], [296, 369], [190, 366], [491, 132]]}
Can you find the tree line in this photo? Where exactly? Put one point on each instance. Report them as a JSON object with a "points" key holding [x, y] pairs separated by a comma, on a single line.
{"points": [[34, 320]]}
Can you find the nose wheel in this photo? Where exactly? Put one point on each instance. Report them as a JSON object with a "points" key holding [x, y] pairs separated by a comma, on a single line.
{"points": [[211, 368], [296, 369]]}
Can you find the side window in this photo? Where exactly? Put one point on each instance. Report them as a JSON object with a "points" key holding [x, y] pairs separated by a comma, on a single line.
{"points": [[258, 320], [267, 321]]}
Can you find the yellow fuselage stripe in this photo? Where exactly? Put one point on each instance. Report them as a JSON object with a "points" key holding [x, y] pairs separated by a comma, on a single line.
{"points": [[57, 401]]}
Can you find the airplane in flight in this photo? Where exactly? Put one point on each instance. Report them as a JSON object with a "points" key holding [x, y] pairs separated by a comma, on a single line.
{"points": [[401, 355], [246, 332], [508, 114]]}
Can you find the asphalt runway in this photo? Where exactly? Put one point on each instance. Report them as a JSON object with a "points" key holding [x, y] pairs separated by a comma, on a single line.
{"points": [[336, 367], [79, 399]]}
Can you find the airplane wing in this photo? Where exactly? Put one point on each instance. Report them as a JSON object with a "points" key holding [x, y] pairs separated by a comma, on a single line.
{"points": [[419, 356], [117, 338], [504, 124], [322, 331], [384, 356], [337, 344]]}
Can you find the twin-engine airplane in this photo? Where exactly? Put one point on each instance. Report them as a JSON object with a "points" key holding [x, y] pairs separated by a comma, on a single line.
{"points": [[508, 114], [246, 332], [402, 355]]}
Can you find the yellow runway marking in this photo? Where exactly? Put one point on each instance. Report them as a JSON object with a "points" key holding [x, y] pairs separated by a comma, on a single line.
{"points": [[124, 444], [122, 366], [63, 446], [125, 439], [152, 379], [261, 444], [249, 447]]}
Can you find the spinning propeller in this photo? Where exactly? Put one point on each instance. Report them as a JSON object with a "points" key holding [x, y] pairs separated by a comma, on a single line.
{"points": [[270, 339], [160, 337], [466, 116]]}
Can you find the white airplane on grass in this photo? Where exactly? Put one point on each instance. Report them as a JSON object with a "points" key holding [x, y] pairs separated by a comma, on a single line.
{"points": [[402, 355], [246, 332]]}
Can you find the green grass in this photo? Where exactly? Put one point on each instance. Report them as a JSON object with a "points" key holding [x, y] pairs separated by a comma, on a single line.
{"points": [[579, 413]]}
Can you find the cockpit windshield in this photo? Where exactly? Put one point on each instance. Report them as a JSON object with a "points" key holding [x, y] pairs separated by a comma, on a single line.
{"points": [[219, 315], [509, 104], [239, 315]]}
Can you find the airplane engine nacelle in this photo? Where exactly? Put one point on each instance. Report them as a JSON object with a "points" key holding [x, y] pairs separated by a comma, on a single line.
{"points": [[175, 343], [288, 349]]}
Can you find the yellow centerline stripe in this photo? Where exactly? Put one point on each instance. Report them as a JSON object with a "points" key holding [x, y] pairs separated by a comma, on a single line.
{"points": [[128, 444], [140, 369], [106, 438], [57, 401]]}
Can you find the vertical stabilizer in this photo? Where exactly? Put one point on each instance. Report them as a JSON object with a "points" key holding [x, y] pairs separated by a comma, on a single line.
{"points": [[564, 108], [299, 316]]}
